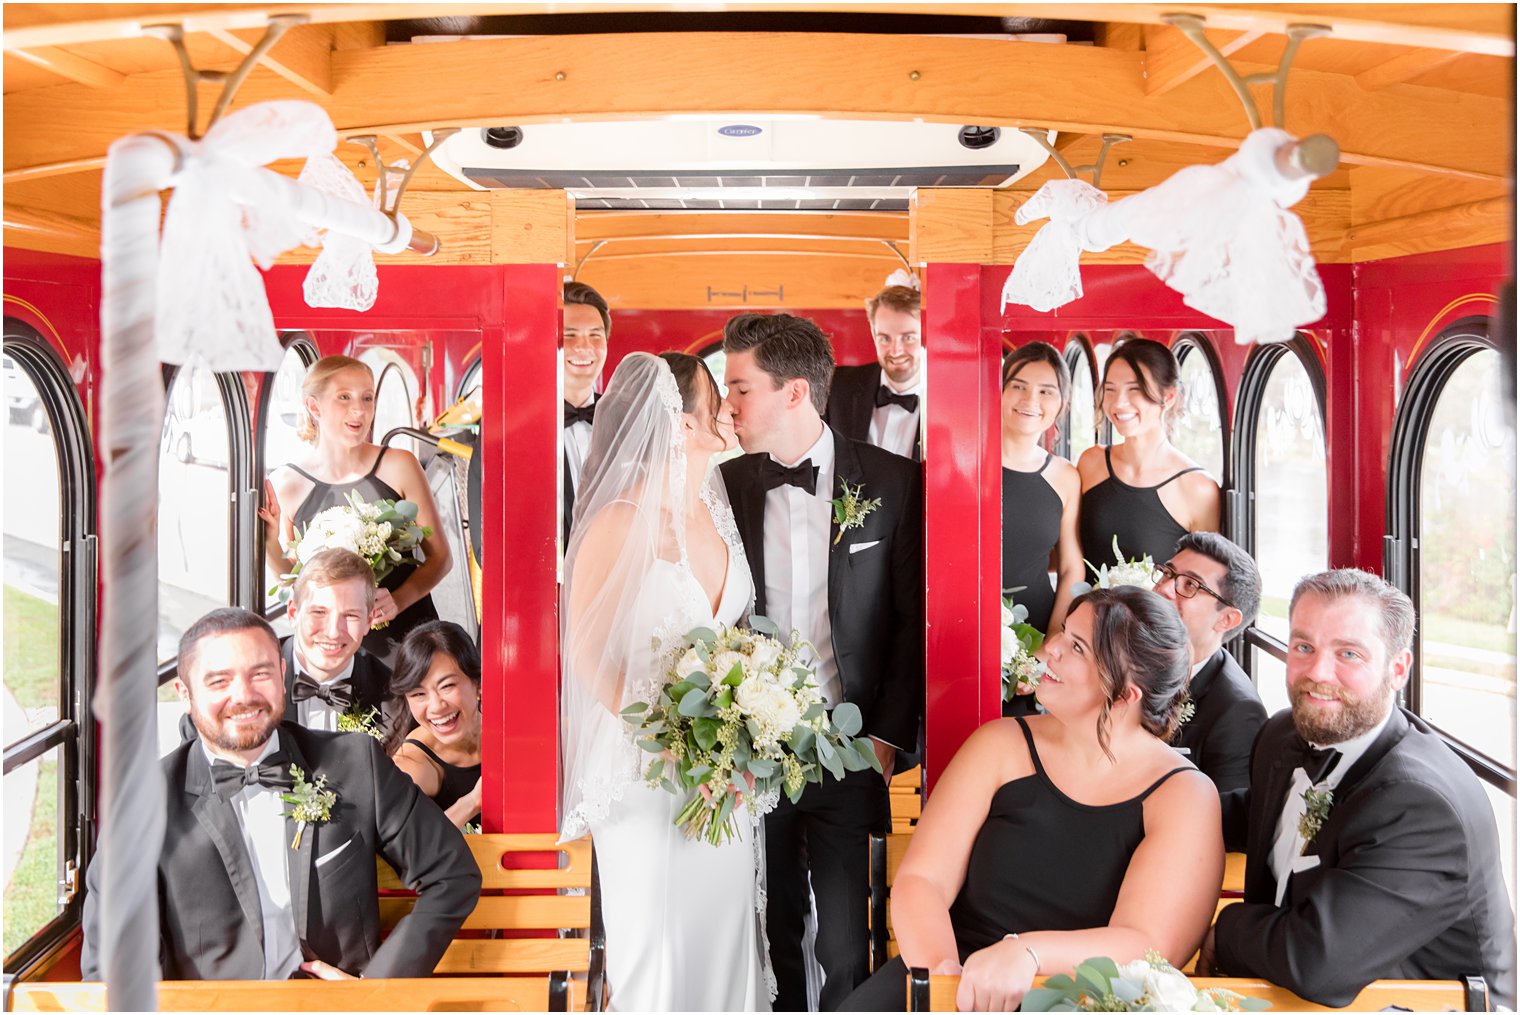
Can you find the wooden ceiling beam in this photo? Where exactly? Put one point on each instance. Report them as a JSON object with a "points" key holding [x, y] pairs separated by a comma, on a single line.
{"points": [[302, 56], [1172, 59], [1405, 67], [1467, 27], [67, 65], [953, 80]]}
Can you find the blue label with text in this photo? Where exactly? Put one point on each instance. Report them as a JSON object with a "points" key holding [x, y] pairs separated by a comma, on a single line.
{"points": [[739, 130]]}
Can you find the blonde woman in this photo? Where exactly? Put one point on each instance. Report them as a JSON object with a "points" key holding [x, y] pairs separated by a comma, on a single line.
{"points": [[338, 410]]}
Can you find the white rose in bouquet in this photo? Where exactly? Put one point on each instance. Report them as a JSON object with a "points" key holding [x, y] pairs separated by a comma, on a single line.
{"points": [[764, 654], [1165, 988], [1010, 645], [689, 663], [750, 695], [724, 663]]}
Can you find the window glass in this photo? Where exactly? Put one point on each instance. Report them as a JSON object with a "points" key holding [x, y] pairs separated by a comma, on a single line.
{"points": [[194, 498], [32, 562], [393, 405], [1504, 816], [281, 421], [33, 847], [1080, 416], [717, 361], [1200, 434], [474, 380], [1271, 676], [1467, 561], [1289, 501]]}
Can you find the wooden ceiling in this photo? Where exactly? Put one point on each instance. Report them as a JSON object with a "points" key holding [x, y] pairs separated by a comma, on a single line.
{"points": [[1419, 97]]}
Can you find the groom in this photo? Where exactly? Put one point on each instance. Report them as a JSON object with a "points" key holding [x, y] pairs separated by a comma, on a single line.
{"points": [[855, 592]]}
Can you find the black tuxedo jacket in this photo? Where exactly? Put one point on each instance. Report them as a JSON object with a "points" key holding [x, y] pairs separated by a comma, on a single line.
{"points": [[209, 913], [1226, 717], [568, 501], [876, 595], [852, 402], [1408, 884]]}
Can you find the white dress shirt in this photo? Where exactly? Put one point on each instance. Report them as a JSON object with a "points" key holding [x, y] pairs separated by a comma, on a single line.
{"points": [[1287, 844], [577, 443], [314, 713], [894, 428], [261, 815], [797, 562]]}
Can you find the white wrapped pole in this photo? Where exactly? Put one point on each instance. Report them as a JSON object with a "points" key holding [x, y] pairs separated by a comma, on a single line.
{"points": [[131, 414]]}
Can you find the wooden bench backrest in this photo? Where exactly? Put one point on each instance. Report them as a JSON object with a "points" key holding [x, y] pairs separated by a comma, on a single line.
{"points": [[1418, 995], [439, 994], [501, 858]]}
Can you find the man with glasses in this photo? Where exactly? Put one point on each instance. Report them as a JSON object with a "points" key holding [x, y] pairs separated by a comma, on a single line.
{"points": [[1216, 589], [881, 403]]}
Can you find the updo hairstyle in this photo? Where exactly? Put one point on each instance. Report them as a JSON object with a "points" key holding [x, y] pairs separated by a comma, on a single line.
{"points": [[1156, 371], [690, 372], [318, 376], [1138, 639]]}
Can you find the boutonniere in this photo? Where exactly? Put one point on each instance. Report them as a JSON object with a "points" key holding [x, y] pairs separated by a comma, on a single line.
{"points": [[1316, 809], [311, 802], [850, 508], [361, 720], [1187, 711]]}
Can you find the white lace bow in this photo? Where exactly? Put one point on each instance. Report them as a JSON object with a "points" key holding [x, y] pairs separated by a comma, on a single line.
{"points": [[223, 216], [1221, 235]]}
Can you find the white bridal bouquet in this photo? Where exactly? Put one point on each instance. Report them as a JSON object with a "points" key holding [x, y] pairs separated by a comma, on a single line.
{"points": [[1139, 572], [1148, 984], [740, 719], [384, 532], [1021, 641]]}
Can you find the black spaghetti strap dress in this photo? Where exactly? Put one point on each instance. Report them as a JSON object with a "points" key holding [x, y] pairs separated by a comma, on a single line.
{"points": [[1041, 861], [1031, 529], [386, 642], [457, 780], [1133, 513]]}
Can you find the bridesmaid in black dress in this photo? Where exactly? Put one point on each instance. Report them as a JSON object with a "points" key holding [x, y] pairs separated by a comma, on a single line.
{"points": [[436, 738], [339, 396], [1054, 838], [1144, 491], [1040, 494]]}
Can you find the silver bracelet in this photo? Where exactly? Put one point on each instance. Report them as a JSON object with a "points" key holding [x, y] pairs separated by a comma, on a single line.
{"points": [[1034, 955]]}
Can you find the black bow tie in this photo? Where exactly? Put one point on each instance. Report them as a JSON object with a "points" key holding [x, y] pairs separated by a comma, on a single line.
{"points": [[1317, 762], [338, 694], [886, 396], [579, 414], [229, 780], [804, 475]]}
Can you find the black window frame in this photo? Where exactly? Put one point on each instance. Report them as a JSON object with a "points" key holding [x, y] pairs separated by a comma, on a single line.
{"points": [[304, 346], [245, 570], [1184, 345], [1435, 366], [411, 420], [74, 733], [1241, 502], [463, 387], [1078, 345]]}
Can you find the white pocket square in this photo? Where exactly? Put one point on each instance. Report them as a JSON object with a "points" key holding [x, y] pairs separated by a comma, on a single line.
{"points": [[1305, 863], [857, 547], [332, 853]]}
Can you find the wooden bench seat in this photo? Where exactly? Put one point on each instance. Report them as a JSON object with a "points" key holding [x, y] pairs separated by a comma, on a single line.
{"points": [[435, 994], [937, 993]]}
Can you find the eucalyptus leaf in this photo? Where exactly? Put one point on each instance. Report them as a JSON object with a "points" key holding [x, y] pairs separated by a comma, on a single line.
{"points": [[636, 708], [847, 718], [761, 767], [1041, 999], [735, 676], [813, 712], [706, 732], [702, 636], [725, 698], [867, 752], [803, 739], [693, 703], [652, 746]]}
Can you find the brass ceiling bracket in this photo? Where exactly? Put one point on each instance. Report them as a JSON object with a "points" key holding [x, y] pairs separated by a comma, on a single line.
{"points": [[1096, 168], [1192, 25], [391, 180], [194, 78]]}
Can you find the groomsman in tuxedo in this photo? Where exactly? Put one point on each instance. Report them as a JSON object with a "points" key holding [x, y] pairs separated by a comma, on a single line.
{"points": [[856, 592], [587, 323], [1216, 589], [881, 403], [1371, 847], [327, 671], [248, 893]]}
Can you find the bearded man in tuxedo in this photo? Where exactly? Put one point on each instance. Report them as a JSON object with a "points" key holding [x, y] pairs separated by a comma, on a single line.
{"points": [[245, 891], [1371, 849], [855, 591], [881, 403]]}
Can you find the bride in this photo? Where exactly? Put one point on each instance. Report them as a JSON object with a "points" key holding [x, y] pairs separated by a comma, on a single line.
{"points": [[654, 553]]}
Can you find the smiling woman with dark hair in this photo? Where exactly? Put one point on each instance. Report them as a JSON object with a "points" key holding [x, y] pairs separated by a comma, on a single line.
{"points": [[1055, 838], [437, 675]]}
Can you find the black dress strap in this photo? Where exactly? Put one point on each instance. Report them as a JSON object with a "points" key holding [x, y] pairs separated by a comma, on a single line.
{"points": [[1157, 784], [1048, 456], [383, 449], [1179, 475], [1034, 755], [302, 472], [429, 752], [1108, 457]]}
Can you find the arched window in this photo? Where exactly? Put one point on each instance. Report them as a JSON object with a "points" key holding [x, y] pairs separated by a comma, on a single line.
{"points": [[717, 362], [1077, 430], [50, 587], [280, 412], [1451, 546], [393, 403], [1200, 430], [1280, 465], [473, 382]]}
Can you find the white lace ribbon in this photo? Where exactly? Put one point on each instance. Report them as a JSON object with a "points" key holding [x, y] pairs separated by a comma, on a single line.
{"points": [[344, 273], [1221, 235], [222, 217]]}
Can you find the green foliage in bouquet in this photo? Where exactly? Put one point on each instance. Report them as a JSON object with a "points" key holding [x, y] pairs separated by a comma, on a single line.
{"points": [[1020, 641], [384, 532], [1148, 984], [740, 718]]}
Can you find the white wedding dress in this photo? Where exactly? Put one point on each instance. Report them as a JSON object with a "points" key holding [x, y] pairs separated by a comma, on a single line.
{"points": [[683, 918]]}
